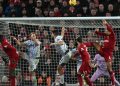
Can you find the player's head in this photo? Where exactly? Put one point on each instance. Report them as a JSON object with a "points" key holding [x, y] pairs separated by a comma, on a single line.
{"points": [[79, 39], [32, 35], [54, 33], [1, 38]]}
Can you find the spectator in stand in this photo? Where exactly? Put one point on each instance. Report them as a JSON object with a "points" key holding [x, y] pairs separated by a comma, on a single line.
{"points": [[39, 4], [83, 8], [85, 11], [45, 13], [72, 11], [31, 8], [51, 13], [10, 9], [76, 32], [101, 10], [91, 5], [52, 4], [38, 12], [24, 13], [57, 12], [108, 14], [65, 15], [23, 33], [1, 11], [64, 7], [93, 12], [111, 9]]}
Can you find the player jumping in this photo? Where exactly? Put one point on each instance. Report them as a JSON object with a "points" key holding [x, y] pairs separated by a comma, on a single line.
{"points": [[101, 69], [63, 50], [107, 49], [13, 57], [86, 65]]}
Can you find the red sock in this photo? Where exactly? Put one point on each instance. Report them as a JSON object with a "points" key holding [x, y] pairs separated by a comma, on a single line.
{"points": [[80, 80], [112, 76], [12, 80], [87, 79]]}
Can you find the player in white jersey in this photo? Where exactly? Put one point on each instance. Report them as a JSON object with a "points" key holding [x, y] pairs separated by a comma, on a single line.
{"points": [[63, 50]]}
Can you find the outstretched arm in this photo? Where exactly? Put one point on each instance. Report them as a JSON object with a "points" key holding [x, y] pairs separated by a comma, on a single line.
{"points": [[106, 33], [108, 27], [57, 43], [17, 41], [100, 33], [89, 44]]}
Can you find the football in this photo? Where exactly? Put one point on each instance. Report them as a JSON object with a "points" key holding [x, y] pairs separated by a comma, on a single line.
{"points": [[72, 2]]}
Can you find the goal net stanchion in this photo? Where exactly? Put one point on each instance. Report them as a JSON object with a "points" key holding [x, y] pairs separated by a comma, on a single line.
{"points": [[49, 58]]}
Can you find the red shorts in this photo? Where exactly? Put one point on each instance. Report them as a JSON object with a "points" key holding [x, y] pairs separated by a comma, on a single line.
{"points": [[85, 68], [106, 53]]}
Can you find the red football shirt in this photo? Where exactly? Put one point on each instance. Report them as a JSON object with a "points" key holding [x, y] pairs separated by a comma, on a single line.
{"points": [[109, 41], [11, 52], [85, 56]]}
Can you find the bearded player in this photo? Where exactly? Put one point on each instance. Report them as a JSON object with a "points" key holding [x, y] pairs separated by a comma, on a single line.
{"points": [[86, 65], [13, 57], [101, 69], [107, 49]]}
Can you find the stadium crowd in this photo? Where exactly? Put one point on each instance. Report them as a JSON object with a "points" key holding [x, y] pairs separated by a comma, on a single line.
{"points": [[58, 8]]}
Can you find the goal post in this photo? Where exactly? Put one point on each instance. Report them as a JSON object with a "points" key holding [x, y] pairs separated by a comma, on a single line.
{"points": [[48, 57]]}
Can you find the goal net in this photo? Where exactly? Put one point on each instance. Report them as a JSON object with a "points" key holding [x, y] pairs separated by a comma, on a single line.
{"points": [[47, 57]]}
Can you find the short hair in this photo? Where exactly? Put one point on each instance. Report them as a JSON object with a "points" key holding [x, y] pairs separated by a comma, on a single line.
{"points": [[32, 33], [79, 39]]}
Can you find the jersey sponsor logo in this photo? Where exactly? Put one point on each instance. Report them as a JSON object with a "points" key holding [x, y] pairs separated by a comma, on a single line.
{"points": [[106, 40], [82, 49]]}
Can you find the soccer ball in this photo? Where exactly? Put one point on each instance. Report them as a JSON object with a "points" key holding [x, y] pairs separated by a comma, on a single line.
{"points": [[72, 2]]}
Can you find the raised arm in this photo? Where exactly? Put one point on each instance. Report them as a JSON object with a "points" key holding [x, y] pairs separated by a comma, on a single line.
{"points": [[100, 33], [108, 27], [89, 44], [63, 31], [17, 41]]}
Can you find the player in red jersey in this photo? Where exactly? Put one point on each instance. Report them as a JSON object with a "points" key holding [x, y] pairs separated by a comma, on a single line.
{"points": [[13, 57], [108, 47], [86, 65]]}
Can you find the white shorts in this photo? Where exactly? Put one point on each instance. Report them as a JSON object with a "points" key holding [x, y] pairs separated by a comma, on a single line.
{"points": [[65, 59]]}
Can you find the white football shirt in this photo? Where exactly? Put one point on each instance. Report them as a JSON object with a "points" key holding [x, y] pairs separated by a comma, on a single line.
{"points": [[61, 49]]}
